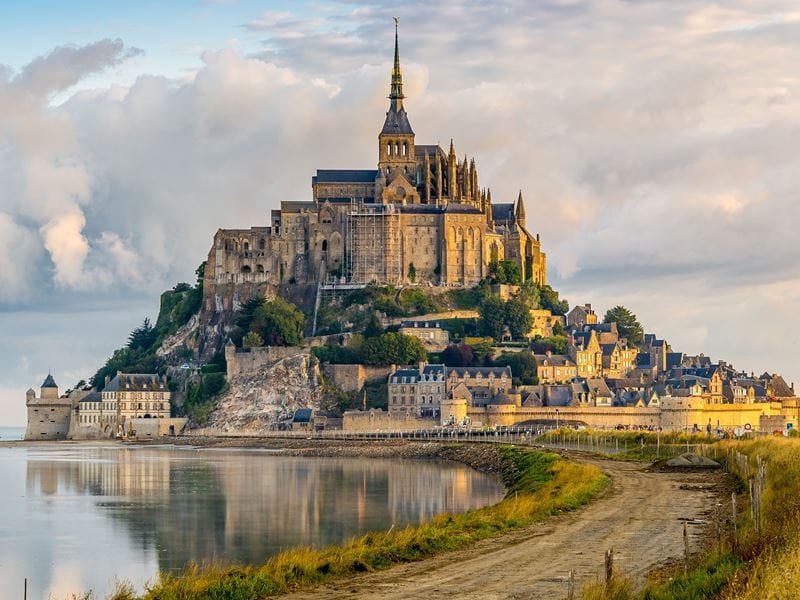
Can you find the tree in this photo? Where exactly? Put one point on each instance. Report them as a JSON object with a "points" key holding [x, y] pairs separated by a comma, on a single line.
{"points": [[412, 272], [279, 323], [458, 355], [143, 337], [627, 324], [492, 317], [548, 298], [393, 348], [373, 327], [252, 340], [505, 271], [523, 367], [556, 344], [517, 317]]}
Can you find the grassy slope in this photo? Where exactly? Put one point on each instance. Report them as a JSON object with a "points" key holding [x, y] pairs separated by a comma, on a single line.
{"points": [[539, 483]]}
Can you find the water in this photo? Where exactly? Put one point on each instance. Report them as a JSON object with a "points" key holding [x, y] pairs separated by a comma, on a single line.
{"points": [[72, 517], [11, 433]]}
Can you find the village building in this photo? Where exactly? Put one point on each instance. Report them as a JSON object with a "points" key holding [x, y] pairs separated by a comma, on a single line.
{"points": [[417, 391], [543, 322], [429, 332], [555, 368], [580, 315], [584, 349]]}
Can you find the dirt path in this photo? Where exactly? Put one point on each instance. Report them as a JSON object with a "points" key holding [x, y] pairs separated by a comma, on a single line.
{"points": [[639, 516]]}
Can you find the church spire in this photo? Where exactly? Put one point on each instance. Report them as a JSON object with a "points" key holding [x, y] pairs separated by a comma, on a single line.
{"points": [[396, 95], [520, 216]]}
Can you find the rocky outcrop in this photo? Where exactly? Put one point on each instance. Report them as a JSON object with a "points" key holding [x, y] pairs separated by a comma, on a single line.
{"points": [[257, 400]]}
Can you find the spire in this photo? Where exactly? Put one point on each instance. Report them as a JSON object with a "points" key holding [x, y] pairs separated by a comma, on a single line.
{"points": [[396, 95], [520, 214]]}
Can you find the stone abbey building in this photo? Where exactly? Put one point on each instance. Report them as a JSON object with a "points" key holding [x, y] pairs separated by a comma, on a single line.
{"points": [[419, 217]]}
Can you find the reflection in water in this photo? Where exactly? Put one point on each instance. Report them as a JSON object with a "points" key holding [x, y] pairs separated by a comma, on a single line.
{"points": [[76, 516]]}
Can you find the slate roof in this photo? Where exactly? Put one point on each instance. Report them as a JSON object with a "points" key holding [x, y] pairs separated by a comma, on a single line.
{"points": [[345, 176], [411, 374], [434, 370], [643, 359], [503, 211], [302, 415], [420, 150], [397, 122], [421, 325], [484, 371], [135, 382], [554, 360], [674, 359], [92, 397], [49, 382]]}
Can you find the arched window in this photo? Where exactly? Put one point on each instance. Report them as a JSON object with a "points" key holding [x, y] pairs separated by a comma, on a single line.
{"points": [[246, 247], [389, 149], [396, 149], [324, 245], [405, 149], [262, 243], [246, 269], [259, 268]]}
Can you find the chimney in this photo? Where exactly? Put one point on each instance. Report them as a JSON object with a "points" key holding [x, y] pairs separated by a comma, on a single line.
{"points": [[549, 353]]}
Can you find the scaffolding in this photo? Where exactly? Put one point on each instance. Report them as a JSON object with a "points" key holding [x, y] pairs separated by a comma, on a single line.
{"points": [[373, 249]]}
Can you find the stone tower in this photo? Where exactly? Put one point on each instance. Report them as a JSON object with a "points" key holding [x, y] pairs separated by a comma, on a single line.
{"points": [[396, 139], [48, 415]]}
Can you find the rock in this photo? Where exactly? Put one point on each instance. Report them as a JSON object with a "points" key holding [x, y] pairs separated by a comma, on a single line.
{"points": [[691, 461], [257, 401]]}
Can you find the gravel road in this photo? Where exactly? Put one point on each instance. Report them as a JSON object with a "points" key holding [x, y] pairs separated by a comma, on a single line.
{"points": [[639, 516]]}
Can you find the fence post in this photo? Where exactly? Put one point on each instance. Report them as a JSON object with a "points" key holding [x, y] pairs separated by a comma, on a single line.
{"points": [[685, 549], [735, 532], [609, 565], [571, 585]]}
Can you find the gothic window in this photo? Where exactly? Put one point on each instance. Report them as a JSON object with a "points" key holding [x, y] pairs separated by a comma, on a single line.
{"points": [[405, 149], [389, 149], [259, 268], [324, 245], [396, 149], [262, 243], [246, 246]]}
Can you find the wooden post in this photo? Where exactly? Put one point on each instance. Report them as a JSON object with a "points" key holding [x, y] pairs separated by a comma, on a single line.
{"points": [[571, 585], [735, 528], [719, 529], [685, 549], [609, 565]]}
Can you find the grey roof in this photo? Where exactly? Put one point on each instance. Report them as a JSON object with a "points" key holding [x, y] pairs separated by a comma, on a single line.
{"points": [[433, 370], [643, 359], [461, 208], [93, 397], [484, 371], [49, 382], [413, 374], [345, 176], [397, 122], [554, 360], [503, 211], [597, 385], [134, 382], [302, 415], [674, 359], [559, 395]]}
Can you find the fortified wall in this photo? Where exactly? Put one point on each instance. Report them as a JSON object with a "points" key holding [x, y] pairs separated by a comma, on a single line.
{"points": [[246, 362], [380, 420]]}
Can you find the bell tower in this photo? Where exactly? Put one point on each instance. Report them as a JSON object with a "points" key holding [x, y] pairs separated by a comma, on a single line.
{"points": [[396, 139]]}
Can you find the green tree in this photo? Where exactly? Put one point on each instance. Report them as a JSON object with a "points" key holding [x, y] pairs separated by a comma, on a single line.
{"points": [[279, 323], [373, 327], [628, 325], [393, 348], [556, 344], [517, 317], [252, 340], [458, 355], [523, 367], [412, 272], [548, 298], [143, 337], [492, 317]]}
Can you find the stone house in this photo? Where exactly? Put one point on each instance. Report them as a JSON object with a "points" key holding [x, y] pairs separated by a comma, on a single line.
{"points": [[585, 351], [580, 315], [429, 332], [417, 391], [555, 368], [618, 360]]}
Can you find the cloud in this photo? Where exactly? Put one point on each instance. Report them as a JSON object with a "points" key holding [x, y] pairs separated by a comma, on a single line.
{"points": [[655, 144]]}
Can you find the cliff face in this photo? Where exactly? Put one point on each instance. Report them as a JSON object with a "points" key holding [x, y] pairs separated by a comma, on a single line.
{"points": [[257, 400]]}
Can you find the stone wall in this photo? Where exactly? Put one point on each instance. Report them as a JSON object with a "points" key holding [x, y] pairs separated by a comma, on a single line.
{"points": [[380, 420], [246, 362], [351, 378], [48, 419]]}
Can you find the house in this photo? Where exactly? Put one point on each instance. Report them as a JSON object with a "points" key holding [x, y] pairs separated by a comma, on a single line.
{"points": [[417, 391], [581, 315], [483, 383], [585, 351], [555, 368], [429, 332], [301, 420], [618, 359]]}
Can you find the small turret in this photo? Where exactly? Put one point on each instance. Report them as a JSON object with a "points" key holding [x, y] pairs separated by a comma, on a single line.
{"points": [[520, 211]]}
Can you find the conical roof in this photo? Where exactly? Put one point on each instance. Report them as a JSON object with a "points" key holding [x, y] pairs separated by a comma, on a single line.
{"points": [[49, 382]]}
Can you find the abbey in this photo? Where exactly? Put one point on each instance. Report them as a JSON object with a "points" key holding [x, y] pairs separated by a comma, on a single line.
{"points": [[420, 217]]}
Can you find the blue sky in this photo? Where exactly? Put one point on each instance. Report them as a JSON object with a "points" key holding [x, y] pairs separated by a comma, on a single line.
{"points": [[654, 142]]}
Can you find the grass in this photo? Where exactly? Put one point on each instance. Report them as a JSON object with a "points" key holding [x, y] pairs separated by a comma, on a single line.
{"points": [[539, 483]]}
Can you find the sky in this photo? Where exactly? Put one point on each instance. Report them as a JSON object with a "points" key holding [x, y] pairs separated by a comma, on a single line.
{"points": [[655, 144]]}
